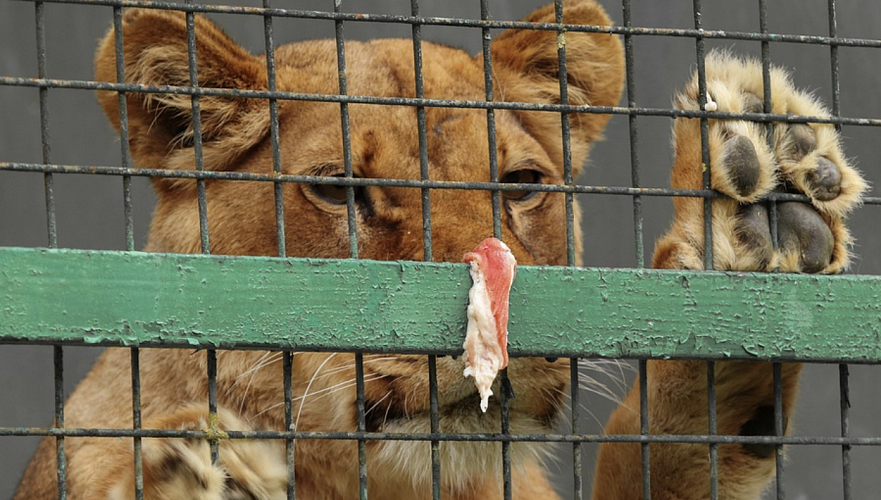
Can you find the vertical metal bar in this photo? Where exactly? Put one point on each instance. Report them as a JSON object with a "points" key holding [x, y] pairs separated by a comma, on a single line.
{"points": [[203, 211], [289, 422], [504, 382], [353, 239], [491, 124], [766, 57], [778, 427], [423, 135], [843, 369], [127, 211], [712, 429], [833, 53], [273, 130], [58, 351], [767, 107], [566, 131], [705, 139], [644, 429], [197, 131], [634, 138], [577, 465], [506, 393], [844, 400], [772, 219], [122, 104], [212, 402], [48, 180], [136, 422], [362, 426], [645, 448], [347, 138], [61, 461], [435, 428]]}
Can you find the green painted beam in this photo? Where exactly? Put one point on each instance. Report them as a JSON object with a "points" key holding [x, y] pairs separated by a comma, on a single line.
{"points": [[116, 298]]}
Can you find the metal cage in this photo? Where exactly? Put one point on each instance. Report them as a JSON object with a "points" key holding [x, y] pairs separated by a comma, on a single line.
{"points": [[38, 279]]}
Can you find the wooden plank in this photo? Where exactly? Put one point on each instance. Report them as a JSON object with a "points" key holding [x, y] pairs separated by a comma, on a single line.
{"points": [[119, 298]]}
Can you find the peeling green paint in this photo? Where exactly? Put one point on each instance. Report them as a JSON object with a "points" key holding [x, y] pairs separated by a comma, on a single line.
{"points": [[120, 298]]}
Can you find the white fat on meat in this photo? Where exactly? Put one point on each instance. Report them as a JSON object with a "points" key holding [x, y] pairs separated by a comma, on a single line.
{"points": [[486, 343]]}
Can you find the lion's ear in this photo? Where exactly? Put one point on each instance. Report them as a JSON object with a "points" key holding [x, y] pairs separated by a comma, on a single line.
{"points": [[161, 125], [526, 68]]}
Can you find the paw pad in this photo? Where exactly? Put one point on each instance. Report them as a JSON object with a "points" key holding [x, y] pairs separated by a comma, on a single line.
{"points": [[802, 232], [743, 164], [746, 166], [803, 140], [825, 180]]}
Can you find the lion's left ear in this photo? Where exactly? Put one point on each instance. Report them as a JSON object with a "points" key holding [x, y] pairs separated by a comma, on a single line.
{"points": [[526, 69]]}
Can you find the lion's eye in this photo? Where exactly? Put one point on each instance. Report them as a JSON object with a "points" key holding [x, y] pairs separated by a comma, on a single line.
{"points": [[524, 176], [333, 194]]}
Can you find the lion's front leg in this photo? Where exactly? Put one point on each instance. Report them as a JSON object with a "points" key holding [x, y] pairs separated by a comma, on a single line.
{"points": [[179, 469], [678, 405], [747, 161]]}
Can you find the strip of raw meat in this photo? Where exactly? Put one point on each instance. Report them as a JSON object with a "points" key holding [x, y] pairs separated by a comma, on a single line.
{"points": [[493, 268]]}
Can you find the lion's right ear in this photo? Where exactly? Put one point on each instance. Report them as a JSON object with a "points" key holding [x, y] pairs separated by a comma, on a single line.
{"points": [[161, 125], [526, 67]]}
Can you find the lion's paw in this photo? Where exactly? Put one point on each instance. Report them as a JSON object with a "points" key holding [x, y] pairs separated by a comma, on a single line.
{"points": [[746, 164], [182, 468]]}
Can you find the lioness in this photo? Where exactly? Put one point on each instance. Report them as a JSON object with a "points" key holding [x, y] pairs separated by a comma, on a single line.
{"points": [[384, 144]]}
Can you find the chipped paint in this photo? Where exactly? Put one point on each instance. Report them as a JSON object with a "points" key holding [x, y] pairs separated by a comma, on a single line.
{"points": [[118, 298]]}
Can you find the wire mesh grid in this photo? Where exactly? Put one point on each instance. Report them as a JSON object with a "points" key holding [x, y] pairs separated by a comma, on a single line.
{"points": [[126, 170]]}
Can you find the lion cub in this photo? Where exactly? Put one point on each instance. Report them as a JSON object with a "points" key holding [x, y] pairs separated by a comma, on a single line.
{"points": [[384, 144]]}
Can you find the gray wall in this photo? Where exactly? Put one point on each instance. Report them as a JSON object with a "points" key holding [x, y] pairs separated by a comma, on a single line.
{"points": [[90, 208]]}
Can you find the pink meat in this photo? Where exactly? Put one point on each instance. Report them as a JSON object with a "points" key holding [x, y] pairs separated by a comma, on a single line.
{"points": [[493, 268]]}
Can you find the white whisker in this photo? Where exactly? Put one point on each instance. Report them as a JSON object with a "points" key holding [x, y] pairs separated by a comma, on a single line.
{"points": [[309, 386], [389, 393], [254, 371]]}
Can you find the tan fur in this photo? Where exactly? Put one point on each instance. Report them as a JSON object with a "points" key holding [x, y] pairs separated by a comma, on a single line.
{"points": [[241, 217], [729, 78]]}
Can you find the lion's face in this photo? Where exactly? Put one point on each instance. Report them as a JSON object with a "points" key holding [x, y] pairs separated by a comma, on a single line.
{"points": [[384, 140]]}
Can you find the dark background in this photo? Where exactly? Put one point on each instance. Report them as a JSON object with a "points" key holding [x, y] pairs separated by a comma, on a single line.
{"points": [[89, 208]]}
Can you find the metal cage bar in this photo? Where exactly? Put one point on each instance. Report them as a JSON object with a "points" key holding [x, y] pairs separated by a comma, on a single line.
{"points": [[439, 103], [633, 133], [843, 369], [446, 436], [136, 422], [574, 402], [644, 430], [779, 428], [712, 429], [60, 457], [423, 135], [563, 75], [278, 191], [351, 211], [482, 23], [287, 368], [391, 182], [844, 402], [197, 132]]}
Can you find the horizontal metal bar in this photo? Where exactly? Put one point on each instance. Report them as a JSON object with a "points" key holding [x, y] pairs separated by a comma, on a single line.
{"points": [[445, 436], [490, 24], [130, 298], [429, 103], [398, 183]]}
